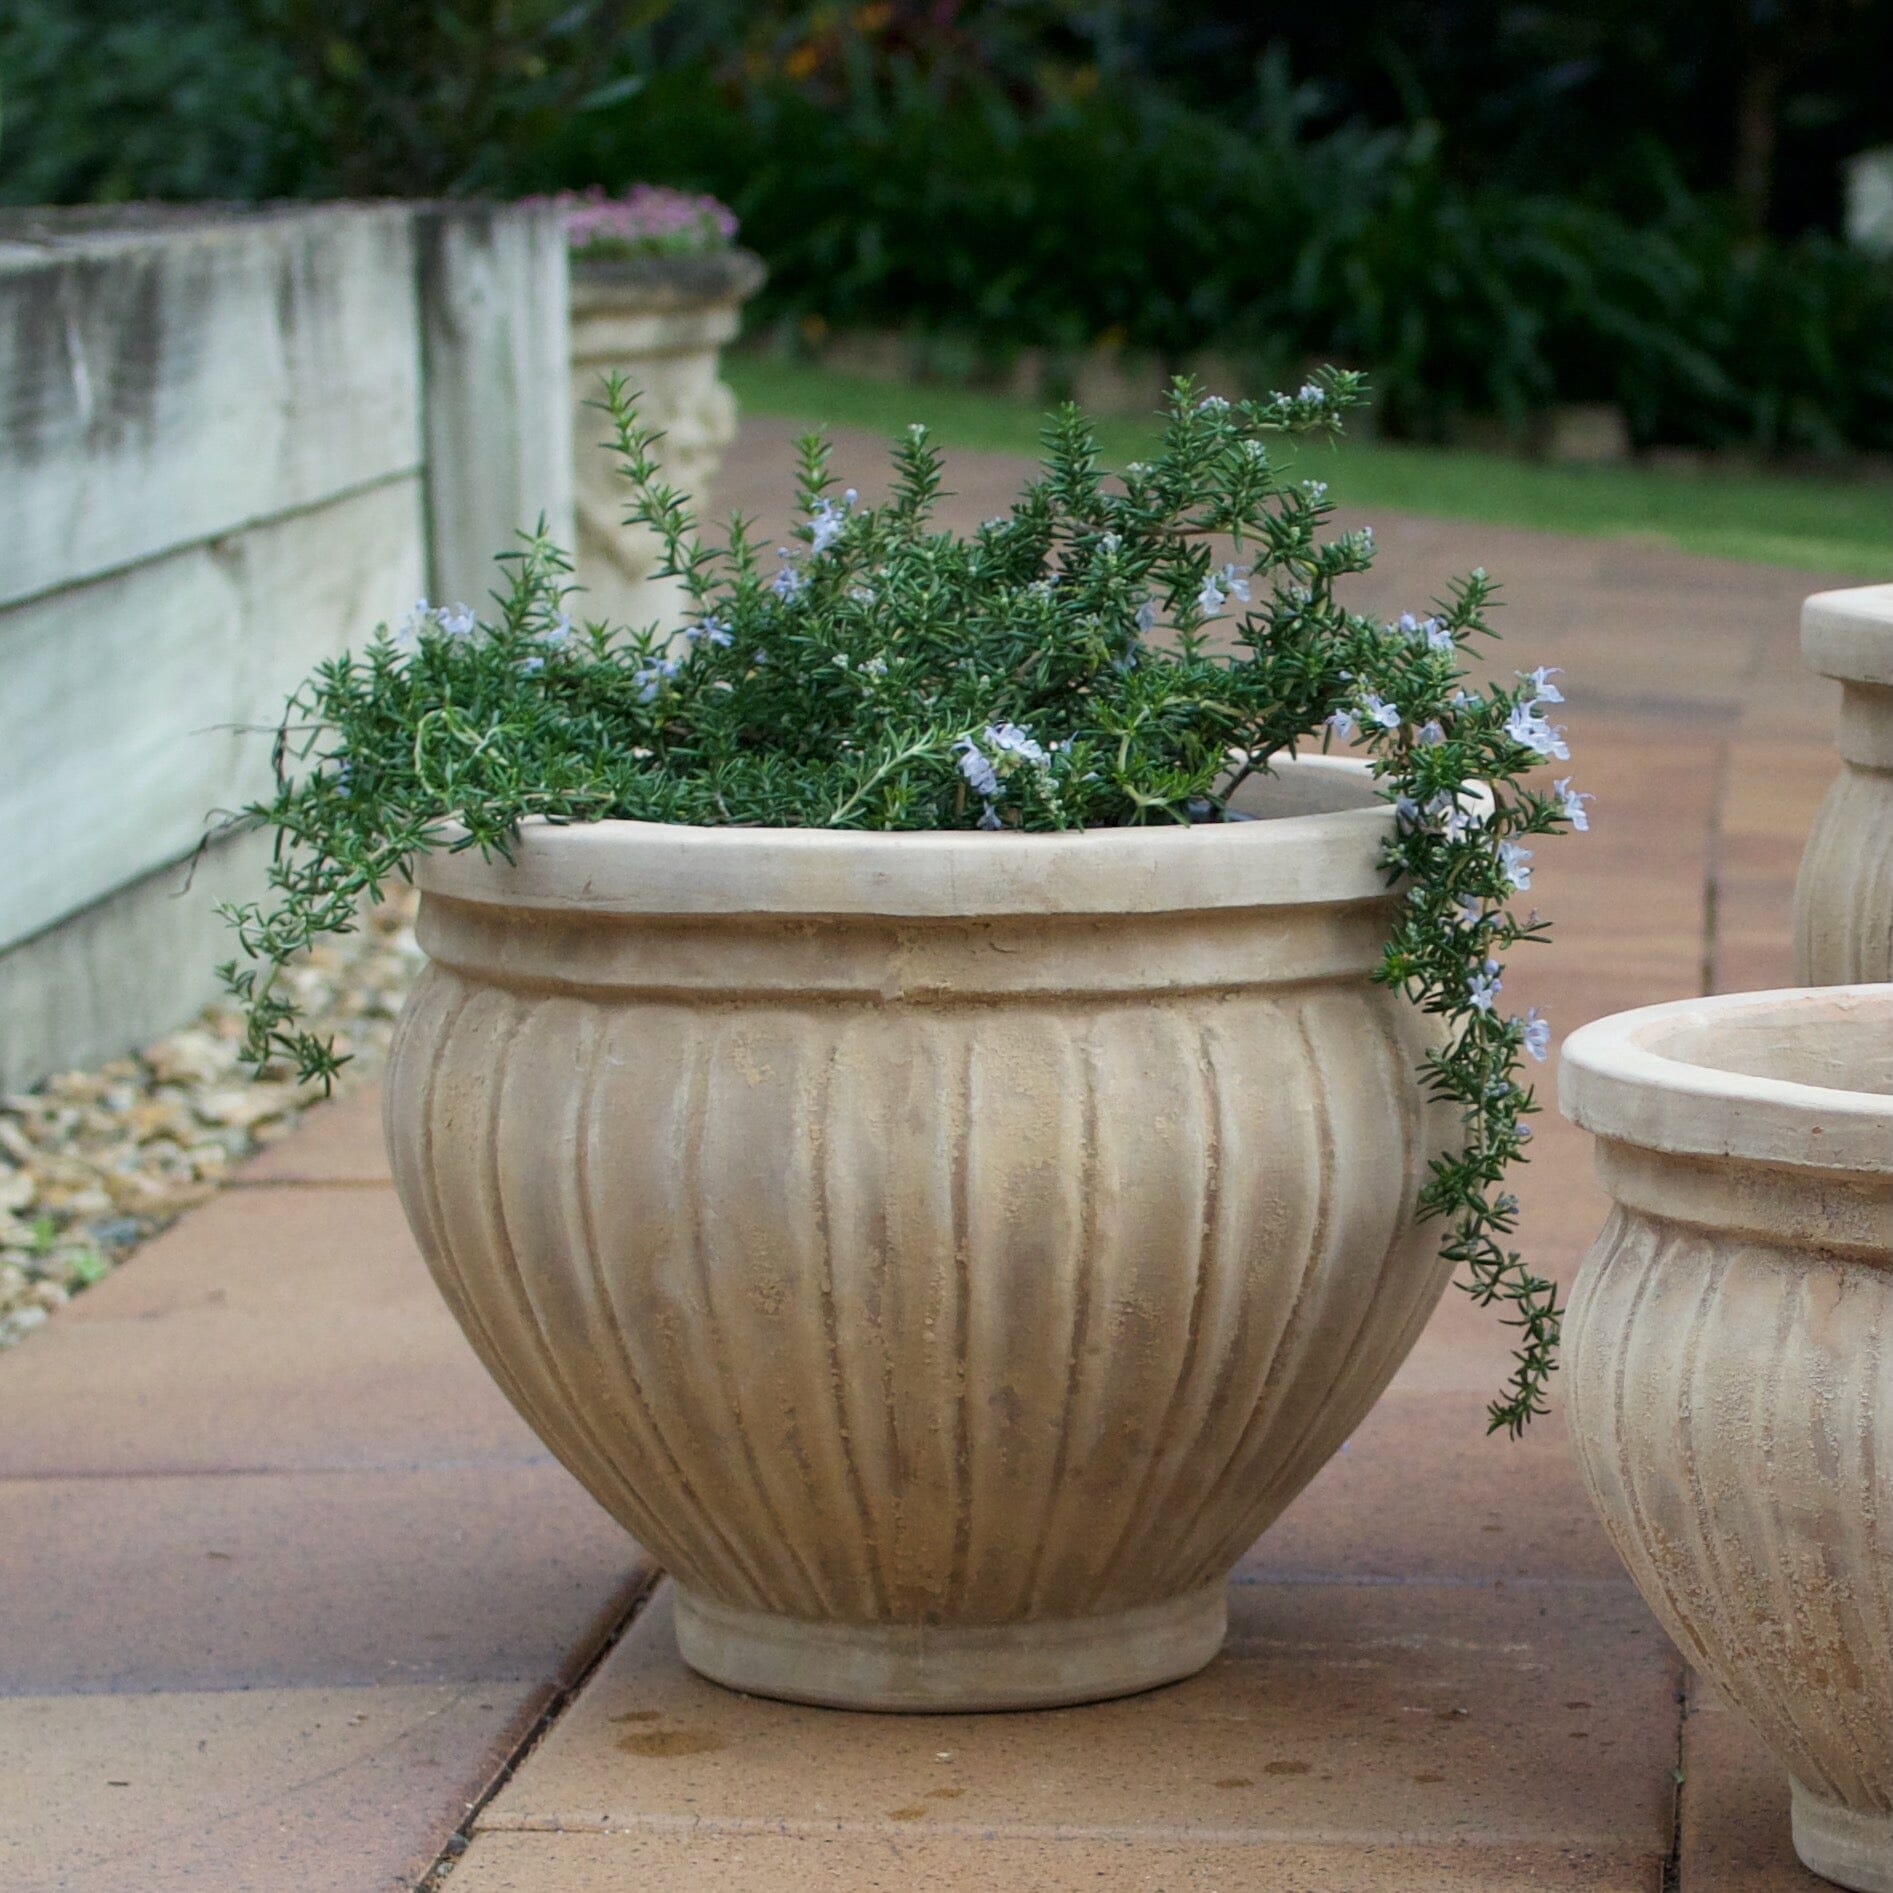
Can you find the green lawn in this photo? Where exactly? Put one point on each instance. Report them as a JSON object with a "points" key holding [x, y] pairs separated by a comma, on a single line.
{"points": [[1821, 525]]}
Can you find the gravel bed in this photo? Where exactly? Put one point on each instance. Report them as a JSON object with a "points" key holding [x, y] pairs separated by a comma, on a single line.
{"points": [[94, 1162]]}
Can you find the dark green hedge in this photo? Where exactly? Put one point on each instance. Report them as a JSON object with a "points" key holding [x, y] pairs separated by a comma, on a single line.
{"points": [[951, 198], [1132, 217]]}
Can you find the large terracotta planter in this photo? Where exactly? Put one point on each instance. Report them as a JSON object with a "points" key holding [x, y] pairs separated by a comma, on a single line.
{"points": [[1729, 1370], [946, 1252], [660, 321], [1843, 901]]}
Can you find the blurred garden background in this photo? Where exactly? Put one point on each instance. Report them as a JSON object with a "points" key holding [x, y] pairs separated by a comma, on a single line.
{"points": [[1611, 234], [1498, 210]]}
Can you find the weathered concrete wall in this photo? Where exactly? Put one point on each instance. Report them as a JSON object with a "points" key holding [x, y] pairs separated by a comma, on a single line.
{"points": [[222, 441], [494, 339]]}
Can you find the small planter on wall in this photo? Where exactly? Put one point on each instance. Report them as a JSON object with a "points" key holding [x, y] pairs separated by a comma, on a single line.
{"points": [[661, 321], [1729, 1363], [946, 1252], [1843, 901]]}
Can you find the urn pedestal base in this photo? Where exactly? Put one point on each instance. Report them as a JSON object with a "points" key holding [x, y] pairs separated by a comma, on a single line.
{"points": [[945, 1669], [1852, 1849]]}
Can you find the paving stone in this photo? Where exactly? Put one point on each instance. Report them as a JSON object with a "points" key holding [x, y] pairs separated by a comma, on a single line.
{"points": [[276, 1248], [273, 1329], [246, 1791], [1338, 1714], [338, 1142], [1463, 1349], [1734, 1829], [916, 1857], [431, 1576], [1423, 1494]]}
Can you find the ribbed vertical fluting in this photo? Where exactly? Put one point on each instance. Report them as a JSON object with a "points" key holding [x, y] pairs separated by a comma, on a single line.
{"points": [[1374, 1345], [1732, 1405], [1190, 1386], [928, 1313], [684, 1524], [1843, 899], [429, 1025]]}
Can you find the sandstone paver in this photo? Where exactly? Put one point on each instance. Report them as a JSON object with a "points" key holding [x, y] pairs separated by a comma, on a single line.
{"points": [[913, 1860], [1338, 1714], [339, 1142], [274, 1330], [284, 1582], [254, 1791], [429, 1575], [1734, 1833], [1420, 1495]]}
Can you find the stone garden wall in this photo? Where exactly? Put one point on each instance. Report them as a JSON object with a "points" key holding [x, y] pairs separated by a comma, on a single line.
{"points": [[229, 445]]}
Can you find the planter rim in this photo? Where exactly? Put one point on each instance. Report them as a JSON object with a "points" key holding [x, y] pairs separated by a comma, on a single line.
{"points": [[1322, 849], [660, 283], [1849, 634], [1649, 1078]]}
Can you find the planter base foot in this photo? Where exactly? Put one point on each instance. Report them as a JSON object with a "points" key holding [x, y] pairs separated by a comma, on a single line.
{"points": [[950, 1668], [1851, 1849]]}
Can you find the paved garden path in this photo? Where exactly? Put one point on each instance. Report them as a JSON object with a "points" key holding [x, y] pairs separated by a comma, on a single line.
{"points": [[289, 1599]]}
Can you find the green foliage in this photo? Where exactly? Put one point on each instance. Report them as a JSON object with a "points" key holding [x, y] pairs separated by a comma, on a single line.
{"points": [[1075, 663], [1040, 175], [248, 99], [117, 100], [941, 201], [418, 98]]}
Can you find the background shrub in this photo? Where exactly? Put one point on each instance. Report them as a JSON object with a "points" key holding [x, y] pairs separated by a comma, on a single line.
{"points": [[1543, 224]]}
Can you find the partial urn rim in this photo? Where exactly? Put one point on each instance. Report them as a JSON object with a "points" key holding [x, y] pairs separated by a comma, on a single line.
{"points": [[1318, 843], [1848, 634], [1750, 1076]]}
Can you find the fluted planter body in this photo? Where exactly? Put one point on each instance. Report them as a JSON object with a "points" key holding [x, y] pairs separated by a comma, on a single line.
{"points": [[1843, 900], [661, 322], [946, 1252], [1729, 1370]]}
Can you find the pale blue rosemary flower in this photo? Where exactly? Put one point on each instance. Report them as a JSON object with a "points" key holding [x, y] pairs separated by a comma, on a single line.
{"points": [[1528, 729], [1536, 1034], [976, 766], [1571, 804], [828, 520], [653, 674], [1013, 741]]}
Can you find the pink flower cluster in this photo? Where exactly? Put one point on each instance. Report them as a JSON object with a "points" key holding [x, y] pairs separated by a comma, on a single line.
{"points": [[647, 219]]}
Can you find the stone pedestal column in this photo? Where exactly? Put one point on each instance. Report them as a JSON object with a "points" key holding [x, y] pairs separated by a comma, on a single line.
{"points": [[660, 321]]}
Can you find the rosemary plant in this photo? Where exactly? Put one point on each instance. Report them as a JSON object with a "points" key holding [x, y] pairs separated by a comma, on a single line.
{"points": [[1093, 658]]}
